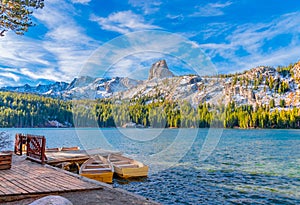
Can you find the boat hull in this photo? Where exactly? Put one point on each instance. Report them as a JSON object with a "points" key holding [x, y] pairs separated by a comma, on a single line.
{"points": [[103, 177], [131, 172], [97, 168]]}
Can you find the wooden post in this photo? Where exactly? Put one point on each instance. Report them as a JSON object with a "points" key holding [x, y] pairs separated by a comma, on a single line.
{"points": [[17, 150], [20, 143], [43, 150]]}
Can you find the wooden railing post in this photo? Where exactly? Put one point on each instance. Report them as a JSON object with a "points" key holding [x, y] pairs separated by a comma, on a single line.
{"points": [[28, 145], [20, 143], [43, 150], [17, 141]]}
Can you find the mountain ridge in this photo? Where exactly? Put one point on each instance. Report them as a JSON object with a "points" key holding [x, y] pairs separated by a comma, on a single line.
{"points": [[257, 86]]}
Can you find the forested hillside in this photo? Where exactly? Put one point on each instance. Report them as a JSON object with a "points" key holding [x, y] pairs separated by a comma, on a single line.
{"points": [[27, 110]]}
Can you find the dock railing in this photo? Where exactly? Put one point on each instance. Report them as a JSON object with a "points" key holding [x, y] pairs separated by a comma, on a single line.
{"points": [[34, 145]]}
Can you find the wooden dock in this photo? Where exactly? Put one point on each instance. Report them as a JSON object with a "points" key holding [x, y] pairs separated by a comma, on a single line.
{"points": [[56, 157], [26, 178]]}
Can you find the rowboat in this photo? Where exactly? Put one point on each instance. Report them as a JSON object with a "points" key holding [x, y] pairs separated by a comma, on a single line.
{"points": [[97, 168], [126, 167]]}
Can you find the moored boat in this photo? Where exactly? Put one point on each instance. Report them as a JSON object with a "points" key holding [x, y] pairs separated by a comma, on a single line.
{"points": [[126, 167], [97, 168]]}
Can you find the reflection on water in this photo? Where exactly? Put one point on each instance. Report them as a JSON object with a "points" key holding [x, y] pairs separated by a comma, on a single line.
{"points": [[122, 181], [247, 166]]}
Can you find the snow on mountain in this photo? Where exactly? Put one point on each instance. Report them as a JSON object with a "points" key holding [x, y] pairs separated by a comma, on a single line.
{"points": [[54, 90], [257, 86], [93, 88]]}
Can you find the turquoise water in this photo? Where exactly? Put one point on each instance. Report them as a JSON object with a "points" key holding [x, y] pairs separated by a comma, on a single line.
{"points": [[239, 167]]}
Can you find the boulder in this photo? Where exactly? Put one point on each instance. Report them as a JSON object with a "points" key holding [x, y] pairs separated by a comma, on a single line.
{"points": [[52, 200]]}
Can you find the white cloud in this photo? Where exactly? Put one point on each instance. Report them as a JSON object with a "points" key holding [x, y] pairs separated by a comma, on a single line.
{"points": [[123, 22], [132, 65], [20, 76], [57, 55], [124, 55], [21, 51], [172, 17], [211, 9], [49, 74], [253, 36], [252, 40], [10, 75], [81, 1], [66, 40], [148, 7]]}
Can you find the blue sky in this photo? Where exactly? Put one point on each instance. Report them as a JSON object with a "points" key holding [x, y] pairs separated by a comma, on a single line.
{"points": [[235, 35]]}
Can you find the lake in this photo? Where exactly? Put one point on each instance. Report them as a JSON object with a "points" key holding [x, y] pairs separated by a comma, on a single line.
{"points": [[205, 166]]}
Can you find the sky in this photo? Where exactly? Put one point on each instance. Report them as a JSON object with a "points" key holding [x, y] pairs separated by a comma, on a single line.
{"points": [[77, 37]]}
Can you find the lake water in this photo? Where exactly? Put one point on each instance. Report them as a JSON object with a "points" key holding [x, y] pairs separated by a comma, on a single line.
{"points": [[190, 166]]}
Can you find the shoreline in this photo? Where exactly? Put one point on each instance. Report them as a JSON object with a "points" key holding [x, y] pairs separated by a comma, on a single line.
{"points": [[148, 128]]}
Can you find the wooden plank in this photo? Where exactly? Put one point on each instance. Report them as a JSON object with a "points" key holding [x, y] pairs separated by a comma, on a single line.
{"points": [[60, 186], [40, 186], [64, 159], [8, 188], [5, 161], [7, 174], [15, 187], [1, 192], [21, 178], [78, 184], [27, 186], [27, 177], [52, 185], [70, 149], [36, 176], [68, 184], [4, 190], [24, 185], [31, 184], [5, 166], [30, 188]]}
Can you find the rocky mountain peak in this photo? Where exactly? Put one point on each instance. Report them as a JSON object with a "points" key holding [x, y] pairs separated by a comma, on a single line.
{"points": [[160, 70], [296, 71]]}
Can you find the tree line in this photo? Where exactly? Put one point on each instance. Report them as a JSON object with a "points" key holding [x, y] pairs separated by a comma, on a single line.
{"points": [[28, 110]]}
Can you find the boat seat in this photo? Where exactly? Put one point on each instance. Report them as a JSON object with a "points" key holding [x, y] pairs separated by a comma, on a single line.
{"points": [[98, 162], [121, 162], [97, 169], [128, 165], [96, 165], [114, 160]]}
